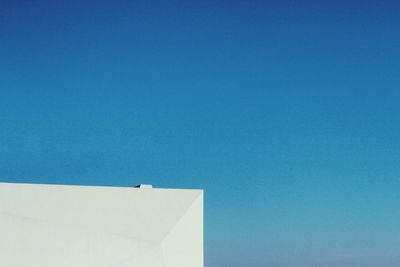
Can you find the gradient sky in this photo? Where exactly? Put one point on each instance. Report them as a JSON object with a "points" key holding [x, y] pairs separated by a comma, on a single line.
{"points": [[285, 112]]}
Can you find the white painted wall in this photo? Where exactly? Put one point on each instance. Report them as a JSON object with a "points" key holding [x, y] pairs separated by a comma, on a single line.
{"points": [[85, 226]]}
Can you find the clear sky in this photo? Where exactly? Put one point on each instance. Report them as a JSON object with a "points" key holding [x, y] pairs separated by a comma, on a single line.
{"points": [[285, 112]]}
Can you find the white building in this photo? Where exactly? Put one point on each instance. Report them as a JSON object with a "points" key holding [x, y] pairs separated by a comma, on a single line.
{"points": [[91, 226]]}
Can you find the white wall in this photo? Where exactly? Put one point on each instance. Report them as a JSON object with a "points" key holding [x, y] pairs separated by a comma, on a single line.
{"points": [[83, 226]]}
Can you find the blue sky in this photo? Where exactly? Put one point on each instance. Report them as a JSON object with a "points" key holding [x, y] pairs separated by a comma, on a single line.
{"points": [[286, 113]]}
